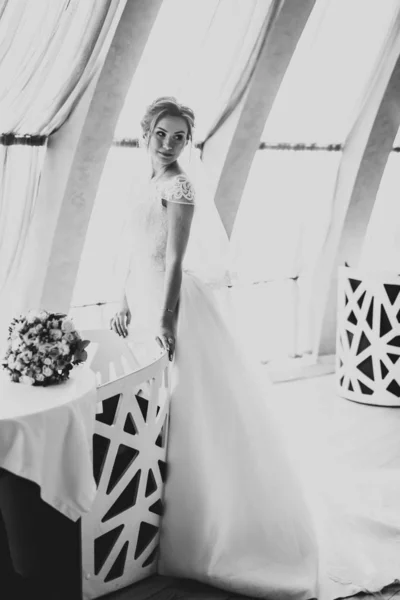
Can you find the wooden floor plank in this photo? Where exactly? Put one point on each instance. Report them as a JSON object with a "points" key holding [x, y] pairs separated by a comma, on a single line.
{"points": [[159, 587], [151, 588]]}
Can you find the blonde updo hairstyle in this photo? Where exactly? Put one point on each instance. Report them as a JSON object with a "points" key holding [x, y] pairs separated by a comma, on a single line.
{"points": [[166, 106]]}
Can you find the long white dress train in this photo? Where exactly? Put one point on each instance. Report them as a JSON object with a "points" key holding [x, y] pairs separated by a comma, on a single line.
{"points": [[235, 514]]}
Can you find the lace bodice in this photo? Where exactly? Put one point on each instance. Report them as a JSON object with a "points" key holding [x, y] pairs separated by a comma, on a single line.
{"points": [[150, 226]]}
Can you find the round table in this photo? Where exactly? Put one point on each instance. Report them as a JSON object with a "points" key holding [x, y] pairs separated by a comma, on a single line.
{"points": [[47, 481]]}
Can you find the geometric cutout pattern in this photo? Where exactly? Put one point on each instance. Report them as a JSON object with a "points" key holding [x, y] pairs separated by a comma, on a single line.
{"points": [[143, 405], [162, 465], [120, 535], [126, 500], [147, 533], [365, 389], [361, 299], [350, 337], [101, 445], [161, 439], [109, 411], [364, 343], [395, 341], [152, 557], [352, 318], [393, 357], [103, 546], [394, 388], [370, 314], [354, 284], [151, 485], [123, 460], [392, 291], [368, 337], [385, 323], [130, 426], [384, 370], [367, 367], [119, 565], [157, 508]]}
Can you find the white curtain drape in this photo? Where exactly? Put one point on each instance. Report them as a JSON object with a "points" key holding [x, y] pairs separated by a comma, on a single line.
{"points": [[50, 50], [204, 65], [17, 194], [381, 248], [288, 206]]}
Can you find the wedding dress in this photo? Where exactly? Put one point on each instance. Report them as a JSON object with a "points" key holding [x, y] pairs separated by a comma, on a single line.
{"points": [[235, 516]]}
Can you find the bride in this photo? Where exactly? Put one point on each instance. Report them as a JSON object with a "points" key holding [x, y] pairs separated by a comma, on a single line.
{"points": [[235, 516]]}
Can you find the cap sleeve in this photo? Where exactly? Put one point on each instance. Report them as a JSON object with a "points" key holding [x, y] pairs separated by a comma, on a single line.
{"points": [[180, 191]]}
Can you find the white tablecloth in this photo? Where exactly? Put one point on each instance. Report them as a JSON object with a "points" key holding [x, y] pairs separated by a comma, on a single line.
{"points": [[46, 437]]}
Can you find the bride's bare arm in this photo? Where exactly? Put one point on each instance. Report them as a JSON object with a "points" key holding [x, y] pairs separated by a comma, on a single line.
{"points": [[179, 222]]}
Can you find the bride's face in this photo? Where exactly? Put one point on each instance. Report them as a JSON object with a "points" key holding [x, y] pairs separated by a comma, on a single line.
{"points": [[168, 139]]}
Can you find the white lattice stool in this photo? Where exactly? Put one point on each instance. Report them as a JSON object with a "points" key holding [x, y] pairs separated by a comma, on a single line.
{"points": [[120, 534], [368, 337]]}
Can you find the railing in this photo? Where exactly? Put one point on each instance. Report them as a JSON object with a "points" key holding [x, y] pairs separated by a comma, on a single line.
{"points": [[257, 308]]}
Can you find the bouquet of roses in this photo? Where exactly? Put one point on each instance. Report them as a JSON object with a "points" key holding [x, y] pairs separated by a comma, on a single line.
{"points": [[42, 348]]}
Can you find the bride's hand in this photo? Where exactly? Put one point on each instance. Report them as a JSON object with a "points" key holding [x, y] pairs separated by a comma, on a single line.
{"points": [[166, 339], [120, 321]]}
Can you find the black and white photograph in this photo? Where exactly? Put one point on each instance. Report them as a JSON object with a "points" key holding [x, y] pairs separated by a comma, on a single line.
{"points": [[199, 299]]}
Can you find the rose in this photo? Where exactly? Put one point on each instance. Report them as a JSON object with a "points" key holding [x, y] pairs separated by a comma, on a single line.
{"points": [[48, 361], [55, 351], [29, 337], [36, 330], [67, 326], [44, 348], [47, 372], [65, 349], [56, 334], [27, 380], [26, 356], [39, 377]]}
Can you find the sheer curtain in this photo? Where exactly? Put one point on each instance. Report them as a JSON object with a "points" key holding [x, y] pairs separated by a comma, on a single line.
{"points": [[49, 52], [20, 167], [381, 250], [288, 205], [205, 65]]}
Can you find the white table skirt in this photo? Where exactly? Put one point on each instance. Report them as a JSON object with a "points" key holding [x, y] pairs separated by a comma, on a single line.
{"points": [[46, 437]]}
